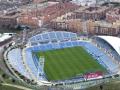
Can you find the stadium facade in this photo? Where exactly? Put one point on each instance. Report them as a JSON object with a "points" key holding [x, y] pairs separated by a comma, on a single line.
{"points": [[104, 49]]}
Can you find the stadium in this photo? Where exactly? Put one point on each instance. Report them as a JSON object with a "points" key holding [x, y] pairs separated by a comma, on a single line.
{"points": [[64, 59]]}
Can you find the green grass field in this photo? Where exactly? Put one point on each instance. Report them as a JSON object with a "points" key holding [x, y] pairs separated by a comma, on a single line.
{"points": [[66, 63]]}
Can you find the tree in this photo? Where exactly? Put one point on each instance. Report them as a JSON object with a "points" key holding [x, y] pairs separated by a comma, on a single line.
{"points": [[4, 75], [13, 80], [101, 87]]}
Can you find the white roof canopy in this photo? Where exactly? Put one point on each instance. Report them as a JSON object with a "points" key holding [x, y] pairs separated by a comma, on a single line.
{"points": [[113, 41], [4, 37]]}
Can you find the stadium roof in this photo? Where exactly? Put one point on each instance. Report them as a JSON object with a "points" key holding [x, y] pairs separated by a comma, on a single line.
{"points": [[113, 41], [4, 37]]}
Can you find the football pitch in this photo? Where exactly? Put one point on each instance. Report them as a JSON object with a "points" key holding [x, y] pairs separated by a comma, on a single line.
{"points": [[66, 63]]}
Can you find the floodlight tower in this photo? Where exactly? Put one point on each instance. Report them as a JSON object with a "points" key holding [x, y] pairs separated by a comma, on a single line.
{"points": [[24, 35]]}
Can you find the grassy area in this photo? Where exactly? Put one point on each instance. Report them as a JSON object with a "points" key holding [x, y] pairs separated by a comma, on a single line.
{"points": [[8, 88], [114, 85], [68, 62]]}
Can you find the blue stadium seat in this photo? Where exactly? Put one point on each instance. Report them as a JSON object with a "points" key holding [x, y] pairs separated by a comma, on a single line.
{"points": [[59, 36], [52, 35], [38, 37], [15, 59], [66, 35], [32, 63], [56, 46], [73, 35], [69, 44], [101, 57], [45, 36], [62, 45], [75, 43]]}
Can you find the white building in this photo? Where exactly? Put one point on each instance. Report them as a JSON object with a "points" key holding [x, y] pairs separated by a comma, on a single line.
{"points": [[92, 2], [84, 2], [115, 1]]}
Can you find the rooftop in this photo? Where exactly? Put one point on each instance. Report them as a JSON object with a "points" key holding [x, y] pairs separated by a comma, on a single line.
{"points": [[113, 41], [4, 36]]}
